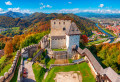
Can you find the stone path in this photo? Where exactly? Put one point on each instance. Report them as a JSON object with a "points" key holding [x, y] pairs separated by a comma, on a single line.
{"points": [[30, 77]]}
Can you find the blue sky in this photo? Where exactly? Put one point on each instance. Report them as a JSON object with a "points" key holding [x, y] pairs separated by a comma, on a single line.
{"points": [[60, 6]]}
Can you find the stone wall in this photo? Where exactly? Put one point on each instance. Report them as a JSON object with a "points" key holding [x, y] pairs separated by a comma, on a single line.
{"points": [[44, 42], [72, 40], [58, 25], [20, 72], [9, 75], [28, 51], [53, 65], [58, 43]]}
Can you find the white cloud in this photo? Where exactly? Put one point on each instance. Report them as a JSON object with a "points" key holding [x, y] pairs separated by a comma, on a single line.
{"points": [[19, 10], [41, 3], [1, 10], [49, 6], [70, 2], [8, 3], [44, 6], [14, 9], [101, 5], [77, 10]]}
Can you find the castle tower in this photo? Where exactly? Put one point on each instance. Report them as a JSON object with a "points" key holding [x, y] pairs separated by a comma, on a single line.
{"points": [[72, 37]]}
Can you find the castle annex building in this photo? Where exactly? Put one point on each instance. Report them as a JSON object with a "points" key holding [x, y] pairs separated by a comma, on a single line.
{"points": [[64, 34]]}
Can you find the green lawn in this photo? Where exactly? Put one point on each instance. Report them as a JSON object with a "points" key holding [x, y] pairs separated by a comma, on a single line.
{"points": [[50, 62], [70, 60], [83, 68], [14, 79], [38, 72], [97, 42], [5, 63], [59, 49]]}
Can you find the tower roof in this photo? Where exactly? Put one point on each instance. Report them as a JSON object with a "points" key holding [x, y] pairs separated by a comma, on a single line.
{"points": [[73, 30]]}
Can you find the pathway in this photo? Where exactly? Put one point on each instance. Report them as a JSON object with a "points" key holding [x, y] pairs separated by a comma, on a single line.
{"points": [[31, 77]]}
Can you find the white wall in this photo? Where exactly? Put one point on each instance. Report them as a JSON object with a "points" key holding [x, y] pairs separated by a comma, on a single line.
{"points": [[72, 40]]}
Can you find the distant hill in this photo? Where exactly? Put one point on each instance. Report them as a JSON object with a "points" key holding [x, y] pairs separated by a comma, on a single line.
{"points": [[38, 22], [8, 22], [98, 15], [14, 14]]}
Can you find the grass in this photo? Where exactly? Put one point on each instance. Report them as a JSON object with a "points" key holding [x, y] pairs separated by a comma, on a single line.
{"points": [[97, 42], [70, 60], [59, 49], [83, 68], [5, 63], [14, 79], [50, 62], [109, 31], [38, 72]]}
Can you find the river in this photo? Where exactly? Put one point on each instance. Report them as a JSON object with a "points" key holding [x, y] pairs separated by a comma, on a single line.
{"points": [[109, 35]]}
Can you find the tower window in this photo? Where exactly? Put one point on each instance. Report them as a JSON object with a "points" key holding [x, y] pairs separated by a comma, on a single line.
{"points": [[64, 28], [59, 23]]}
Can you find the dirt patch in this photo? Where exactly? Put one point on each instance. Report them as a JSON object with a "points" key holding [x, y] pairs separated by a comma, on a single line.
{"points": [[68, 77], [61, 61]]}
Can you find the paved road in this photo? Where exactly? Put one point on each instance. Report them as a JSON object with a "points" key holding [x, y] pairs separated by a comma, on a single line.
{"points": [[31, 77]]}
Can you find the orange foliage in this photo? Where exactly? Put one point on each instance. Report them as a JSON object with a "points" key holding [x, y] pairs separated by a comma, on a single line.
{"points": [[8, 48]]}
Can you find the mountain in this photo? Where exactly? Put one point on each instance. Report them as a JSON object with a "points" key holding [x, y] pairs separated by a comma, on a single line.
{"points": [[41, 22], [98, 15], [8, 22], [14, 14]]}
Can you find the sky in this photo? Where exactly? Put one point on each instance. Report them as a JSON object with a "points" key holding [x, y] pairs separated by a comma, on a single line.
{"points": [[60, 6]]}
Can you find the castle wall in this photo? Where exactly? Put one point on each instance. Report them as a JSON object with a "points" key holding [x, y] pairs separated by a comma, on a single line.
{"points": [[58, 43], [58, 25], [72, 40]]}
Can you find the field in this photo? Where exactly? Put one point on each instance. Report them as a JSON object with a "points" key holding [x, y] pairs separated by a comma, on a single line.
{"points": [[83, 68], [97, 42]]}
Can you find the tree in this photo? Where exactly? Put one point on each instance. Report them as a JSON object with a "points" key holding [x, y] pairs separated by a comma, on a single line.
{"points": [[118, 59], [85, 38], [8, 48]]}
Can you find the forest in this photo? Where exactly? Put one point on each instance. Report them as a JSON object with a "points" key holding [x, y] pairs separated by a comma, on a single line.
{"points": [[108, 55]]}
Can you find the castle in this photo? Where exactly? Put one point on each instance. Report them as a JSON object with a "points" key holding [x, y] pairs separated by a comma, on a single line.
{"points": [[64, 34]]}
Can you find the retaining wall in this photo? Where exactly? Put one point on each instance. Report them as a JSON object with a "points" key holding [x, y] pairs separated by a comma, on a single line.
{"points": [[9, 75]]}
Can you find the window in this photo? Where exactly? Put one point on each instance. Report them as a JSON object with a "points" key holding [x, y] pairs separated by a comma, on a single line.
{"points": [[63, 22], [59, 23], [64, 28], [54, 22]]}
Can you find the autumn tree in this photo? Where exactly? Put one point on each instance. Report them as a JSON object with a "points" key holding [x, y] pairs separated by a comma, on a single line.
{"points": [[118, 59], [8, 48], [85, 38]]}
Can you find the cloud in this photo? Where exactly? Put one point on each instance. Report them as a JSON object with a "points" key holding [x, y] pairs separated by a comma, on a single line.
{"points": [[14, 9], [41, 3], [70, 2], [49, 6], [8, 3], [1, 10], [77, 10], [44, 6], [101, 5], [19, 10]]}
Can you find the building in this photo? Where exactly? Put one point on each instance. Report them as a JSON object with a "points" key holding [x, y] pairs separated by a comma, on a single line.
{"points": [[64, 34]]}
